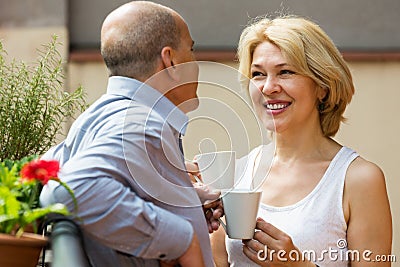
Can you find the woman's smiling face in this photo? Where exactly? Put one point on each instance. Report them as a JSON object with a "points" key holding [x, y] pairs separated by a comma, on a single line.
{"points": [[282, 98]]}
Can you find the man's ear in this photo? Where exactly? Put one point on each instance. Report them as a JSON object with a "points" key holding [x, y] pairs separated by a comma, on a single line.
{"points": [[167, 57]]}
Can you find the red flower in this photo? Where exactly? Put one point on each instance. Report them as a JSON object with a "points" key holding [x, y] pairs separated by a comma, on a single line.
{"points": [[41, 170]]}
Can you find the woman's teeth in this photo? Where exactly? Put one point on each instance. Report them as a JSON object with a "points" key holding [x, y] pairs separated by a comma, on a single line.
{"points": [[276, 106]]}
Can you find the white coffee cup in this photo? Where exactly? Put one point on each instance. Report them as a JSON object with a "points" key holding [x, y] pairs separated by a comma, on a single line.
{"points": [[241, 208], [217, 169]]}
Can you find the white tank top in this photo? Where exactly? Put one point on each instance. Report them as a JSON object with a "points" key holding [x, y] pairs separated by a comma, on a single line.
{"points": [[316, 223]]}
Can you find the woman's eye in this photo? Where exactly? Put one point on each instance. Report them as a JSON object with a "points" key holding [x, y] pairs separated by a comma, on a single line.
{"points": [[255, 74], [286, 72]]}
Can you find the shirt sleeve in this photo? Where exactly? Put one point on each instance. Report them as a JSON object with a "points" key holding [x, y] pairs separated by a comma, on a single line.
{"points": [[113, 208]]}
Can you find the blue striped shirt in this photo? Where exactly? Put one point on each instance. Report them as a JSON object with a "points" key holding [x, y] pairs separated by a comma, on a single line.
{"points": [[121, 157]]}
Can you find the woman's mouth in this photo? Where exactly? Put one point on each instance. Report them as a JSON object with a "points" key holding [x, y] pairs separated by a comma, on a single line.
{"points": [[276, 108]]}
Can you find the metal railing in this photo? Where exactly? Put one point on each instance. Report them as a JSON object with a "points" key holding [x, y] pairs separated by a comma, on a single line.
{"points": [[66, 244]]}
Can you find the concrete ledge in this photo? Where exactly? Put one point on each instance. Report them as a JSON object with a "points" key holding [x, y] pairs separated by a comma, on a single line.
{"points": [[220, 56]]}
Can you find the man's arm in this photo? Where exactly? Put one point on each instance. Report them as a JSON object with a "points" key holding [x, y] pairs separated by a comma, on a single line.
{"points": [[118, 218]]}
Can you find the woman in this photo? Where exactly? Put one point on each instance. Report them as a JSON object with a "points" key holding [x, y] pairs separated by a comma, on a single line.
{"points": [[322, 204]]}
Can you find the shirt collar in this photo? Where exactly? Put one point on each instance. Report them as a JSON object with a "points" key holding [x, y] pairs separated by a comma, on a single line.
{"points": [[147, 95]]}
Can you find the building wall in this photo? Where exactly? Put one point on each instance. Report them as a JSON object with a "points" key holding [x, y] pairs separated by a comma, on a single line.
{"points": [[27, 24], [367, 25]]}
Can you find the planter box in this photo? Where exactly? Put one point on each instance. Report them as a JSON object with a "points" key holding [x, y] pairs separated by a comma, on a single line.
{"points": [[21, 252]]}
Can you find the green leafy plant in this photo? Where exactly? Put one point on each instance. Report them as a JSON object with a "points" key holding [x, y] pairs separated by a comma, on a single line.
{"points": [[33, 103], [20, 185]]}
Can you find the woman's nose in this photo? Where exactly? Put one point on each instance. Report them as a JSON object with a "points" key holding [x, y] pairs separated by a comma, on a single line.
{"points": [[270, 86]]}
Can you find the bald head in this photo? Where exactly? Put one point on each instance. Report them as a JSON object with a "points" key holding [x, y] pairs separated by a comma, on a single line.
{"points": [[133, 35]]}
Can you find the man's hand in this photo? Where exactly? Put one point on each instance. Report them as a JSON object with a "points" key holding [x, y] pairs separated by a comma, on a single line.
{"points": [[212, 205], [207, 197], [213, 215]]}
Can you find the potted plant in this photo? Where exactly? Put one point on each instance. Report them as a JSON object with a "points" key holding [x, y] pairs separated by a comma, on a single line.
{"points": [[33, 103], [20, 185], [33, 106]]}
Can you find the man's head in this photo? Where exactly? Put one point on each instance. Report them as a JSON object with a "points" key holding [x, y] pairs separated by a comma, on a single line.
{"points": [[140, 39], [133, 36]]}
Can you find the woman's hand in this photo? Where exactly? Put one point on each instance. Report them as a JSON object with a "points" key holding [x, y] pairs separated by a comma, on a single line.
{"points": [[272, 248]]}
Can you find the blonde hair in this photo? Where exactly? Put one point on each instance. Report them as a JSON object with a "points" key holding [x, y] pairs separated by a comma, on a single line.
{"points": [[310, 50]]}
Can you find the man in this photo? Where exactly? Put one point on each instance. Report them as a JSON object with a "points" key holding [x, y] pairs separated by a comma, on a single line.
{"points": [[137, 206]]}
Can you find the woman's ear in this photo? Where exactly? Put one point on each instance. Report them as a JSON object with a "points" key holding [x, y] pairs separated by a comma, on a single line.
{"points": [[322, 93], [167, 57]]}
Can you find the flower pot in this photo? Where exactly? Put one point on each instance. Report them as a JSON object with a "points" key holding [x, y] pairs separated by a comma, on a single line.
{"points": [[21, 252]]}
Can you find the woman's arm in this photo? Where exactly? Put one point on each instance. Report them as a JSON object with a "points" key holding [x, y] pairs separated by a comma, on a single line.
{"points": [[367, 211], [218, 248]]}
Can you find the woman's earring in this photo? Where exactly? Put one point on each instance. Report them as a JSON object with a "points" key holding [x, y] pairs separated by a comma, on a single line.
{"points": [[322, 101], [321, 107]]}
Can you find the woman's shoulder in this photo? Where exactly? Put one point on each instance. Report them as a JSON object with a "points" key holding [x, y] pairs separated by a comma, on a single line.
{"points": [[360, 170], [242, 163], [248, 165], [363, 172], [365, 181], [365, 188], [255, 153]]}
